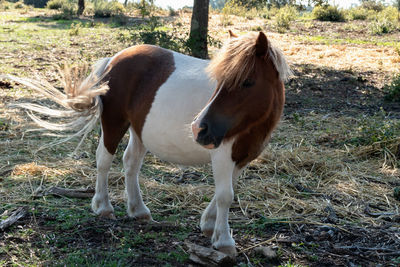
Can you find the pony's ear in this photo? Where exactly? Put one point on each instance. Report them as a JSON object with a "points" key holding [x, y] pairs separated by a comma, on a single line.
{"points": [[261, 45], [231, 34]]}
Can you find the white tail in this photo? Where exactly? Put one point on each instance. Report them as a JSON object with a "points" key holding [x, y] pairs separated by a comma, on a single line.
{"points": [[81, 101]]}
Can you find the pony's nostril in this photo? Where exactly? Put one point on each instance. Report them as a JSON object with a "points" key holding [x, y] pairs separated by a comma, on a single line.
{"points": [[204, 126]]}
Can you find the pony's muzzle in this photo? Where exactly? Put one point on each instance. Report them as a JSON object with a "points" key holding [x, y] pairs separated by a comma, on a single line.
{"points": [[200, 134]]}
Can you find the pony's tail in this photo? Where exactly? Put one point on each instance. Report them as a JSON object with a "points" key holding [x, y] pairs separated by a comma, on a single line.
{"points": [[80, 101]]}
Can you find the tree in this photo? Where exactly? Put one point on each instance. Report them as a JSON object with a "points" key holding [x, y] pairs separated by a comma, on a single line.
{"points": [[81, 7], [199, 29]]}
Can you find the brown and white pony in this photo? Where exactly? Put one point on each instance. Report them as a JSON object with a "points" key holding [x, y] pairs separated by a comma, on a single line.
{"points": [[182, 109]]}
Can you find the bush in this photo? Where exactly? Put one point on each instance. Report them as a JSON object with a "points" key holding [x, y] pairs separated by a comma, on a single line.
{"points": [[103, 9], [328, 13], [382, 26], [234, 7], [284, 17], [358, 13], [156, 36], [390, 13], [385, 21], [55, 4], [68, 11], [392, 91]]}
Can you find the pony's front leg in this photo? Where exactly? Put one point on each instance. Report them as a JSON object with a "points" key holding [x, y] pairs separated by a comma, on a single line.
{"points": [[133, 158], [207, 223], [101, 204], [223, 168]]}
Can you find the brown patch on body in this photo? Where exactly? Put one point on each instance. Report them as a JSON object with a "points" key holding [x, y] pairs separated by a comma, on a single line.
{"points": [[136, 75]]}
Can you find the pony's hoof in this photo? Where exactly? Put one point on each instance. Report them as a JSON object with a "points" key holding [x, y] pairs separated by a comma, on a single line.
{"points": [[107, 215], [208, 232], [230, 251]]}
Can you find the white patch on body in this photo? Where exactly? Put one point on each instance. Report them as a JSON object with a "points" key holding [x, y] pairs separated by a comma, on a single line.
{"points": [[167, 131]]}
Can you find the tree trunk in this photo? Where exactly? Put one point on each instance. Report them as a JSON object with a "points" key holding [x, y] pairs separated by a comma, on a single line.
{"points": [[81, 7], [198, 29], [125, 3]]}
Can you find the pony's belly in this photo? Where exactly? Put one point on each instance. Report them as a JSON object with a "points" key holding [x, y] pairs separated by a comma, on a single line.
{"points": [[167, 129], [175, 146], [167, 134]]}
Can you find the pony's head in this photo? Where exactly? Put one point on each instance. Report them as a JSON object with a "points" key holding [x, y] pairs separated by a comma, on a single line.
{"points": [[249, 72]]}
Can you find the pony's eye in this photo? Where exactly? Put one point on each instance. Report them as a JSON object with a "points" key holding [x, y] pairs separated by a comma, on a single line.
{"points": [[247, 83]]}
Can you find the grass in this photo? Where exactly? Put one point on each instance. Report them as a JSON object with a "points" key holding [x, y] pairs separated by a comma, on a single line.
{"points": [[315, 159]]}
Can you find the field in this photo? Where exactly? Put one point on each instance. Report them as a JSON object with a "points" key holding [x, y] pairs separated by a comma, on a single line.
{"points": [[321, 194]]}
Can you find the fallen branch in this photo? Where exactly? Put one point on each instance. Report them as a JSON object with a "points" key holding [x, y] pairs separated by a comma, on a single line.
{"points": [[74, 193], [13, 218]]}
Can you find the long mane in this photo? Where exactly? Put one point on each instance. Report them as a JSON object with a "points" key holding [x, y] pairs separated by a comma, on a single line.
{"points": [[235, 61]]}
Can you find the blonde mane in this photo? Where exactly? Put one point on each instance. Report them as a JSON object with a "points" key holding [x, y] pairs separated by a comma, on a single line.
{"points": [[236, 60]]}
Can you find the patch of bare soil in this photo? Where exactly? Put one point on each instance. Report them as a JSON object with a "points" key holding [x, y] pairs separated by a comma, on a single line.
{"points": [[348, 246], [327, 90], [342, 30]]}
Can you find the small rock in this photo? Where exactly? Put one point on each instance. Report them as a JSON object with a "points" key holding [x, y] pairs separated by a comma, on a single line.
{"points": [[267, 252], [207, 256]]}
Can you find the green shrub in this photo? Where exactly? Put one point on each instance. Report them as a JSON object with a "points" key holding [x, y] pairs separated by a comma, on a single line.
{"points": [[284, 17], [234, 7], [157, 36], [328, 13], [104, 9], [385, 21], [382, 26], [390, 13], [68, 11], [55, 4], [392, 91], [358, 13]]}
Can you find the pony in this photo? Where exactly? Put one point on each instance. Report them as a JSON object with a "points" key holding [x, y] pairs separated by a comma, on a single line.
{"points": [[182, 109]]}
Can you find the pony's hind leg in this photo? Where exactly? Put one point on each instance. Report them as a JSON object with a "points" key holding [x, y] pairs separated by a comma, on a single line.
{"points": [[113, 129], [101, 204], [133, 158]]}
